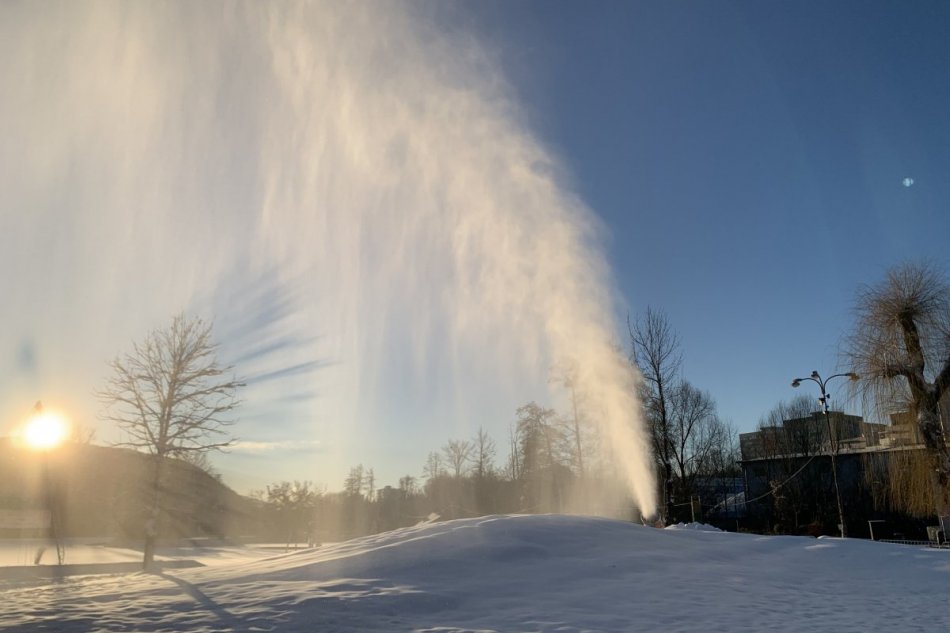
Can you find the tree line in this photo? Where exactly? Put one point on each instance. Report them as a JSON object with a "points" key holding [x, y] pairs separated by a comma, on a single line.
{"points": [[555, 462], [462, 478]]}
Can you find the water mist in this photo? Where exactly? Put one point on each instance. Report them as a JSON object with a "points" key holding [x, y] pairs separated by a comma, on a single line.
{"points": [[361, 165]]}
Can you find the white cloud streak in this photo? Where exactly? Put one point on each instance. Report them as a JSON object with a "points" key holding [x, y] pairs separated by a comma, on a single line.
{"points": [[282, 446]]}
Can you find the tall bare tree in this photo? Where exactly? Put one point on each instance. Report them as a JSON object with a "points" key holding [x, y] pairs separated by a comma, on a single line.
{"points": [[408, 486], [171, 398], [355, 481], [514, 469], [433, 468], [900, 346], [655, 350], [483, 472], [538, 441], [695, 433], [483, 456], [458, 454], [293, 505], [576, 423], [369, 484]]}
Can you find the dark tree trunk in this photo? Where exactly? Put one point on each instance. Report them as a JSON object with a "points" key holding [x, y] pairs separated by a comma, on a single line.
{"points": [[154, 510]]}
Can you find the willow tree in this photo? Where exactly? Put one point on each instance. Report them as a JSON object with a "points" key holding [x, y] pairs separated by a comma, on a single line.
{"points": [[900, 347], [172, 399]]}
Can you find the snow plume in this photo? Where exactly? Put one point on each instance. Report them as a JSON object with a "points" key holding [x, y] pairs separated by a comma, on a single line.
{"points": [[376, 161]]}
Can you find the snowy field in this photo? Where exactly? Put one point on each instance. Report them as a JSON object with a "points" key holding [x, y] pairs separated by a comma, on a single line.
{"points": [[518, 573], [15, 552]]}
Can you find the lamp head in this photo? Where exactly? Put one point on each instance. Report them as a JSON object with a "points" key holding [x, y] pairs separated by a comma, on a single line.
{"points": [[815, 374], [796, 382]]}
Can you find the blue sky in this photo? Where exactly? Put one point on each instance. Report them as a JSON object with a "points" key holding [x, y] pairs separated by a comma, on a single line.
{"points": [[744, 161], [747, 159]]}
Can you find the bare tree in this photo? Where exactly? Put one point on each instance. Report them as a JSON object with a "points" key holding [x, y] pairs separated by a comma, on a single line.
{"points": [[806, 436], [369, 484], [483, 454], [695, 432], [483, 471], [514, 470], [722, 465], [575, 424], [408, 486], [355, 481], [786, 447], [539, 438], [538, 435], [293, 505], [900, 346], [172, 399], [433, 468], [655, 350], [457, 454], [356, 508]]}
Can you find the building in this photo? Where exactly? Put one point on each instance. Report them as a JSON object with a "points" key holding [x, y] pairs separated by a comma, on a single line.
{"points": [[788, 472], [810, 435], [790, 483]]}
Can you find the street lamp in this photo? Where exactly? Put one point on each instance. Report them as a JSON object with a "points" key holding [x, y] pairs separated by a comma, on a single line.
{"points": [[833, 446]]}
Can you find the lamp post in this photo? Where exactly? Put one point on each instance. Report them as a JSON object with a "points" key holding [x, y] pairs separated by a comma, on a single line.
{"points": [[832, 445]]}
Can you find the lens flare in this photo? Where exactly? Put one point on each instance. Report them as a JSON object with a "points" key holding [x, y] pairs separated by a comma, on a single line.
{"points": [[45, 431]]}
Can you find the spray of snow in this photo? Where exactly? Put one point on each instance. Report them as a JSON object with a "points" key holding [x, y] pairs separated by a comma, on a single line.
{"points": [[371, 166]]}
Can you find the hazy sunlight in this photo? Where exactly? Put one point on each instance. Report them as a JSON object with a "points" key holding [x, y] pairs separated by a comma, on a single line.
{"points": [[45, 430]]}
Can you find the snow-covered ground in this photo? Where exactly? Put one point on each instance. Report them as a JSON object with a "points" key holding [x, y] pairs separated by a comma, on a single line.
{"points": [[519, 573], [15, 552]]}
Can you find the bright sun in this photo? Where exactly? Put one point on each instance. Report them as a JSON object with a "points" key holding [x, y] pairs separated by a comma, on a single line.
{"points": [[45, 430]]}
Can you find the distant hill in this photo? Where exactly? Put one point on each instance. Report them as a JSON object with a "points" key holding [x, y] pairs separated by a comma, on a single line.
{"points": [[102, 491]]}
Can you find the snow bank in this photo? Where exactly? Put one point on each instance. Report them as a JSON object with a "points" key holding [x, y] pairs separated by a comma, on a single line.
{"points": [[700, 527], [520, 573]]}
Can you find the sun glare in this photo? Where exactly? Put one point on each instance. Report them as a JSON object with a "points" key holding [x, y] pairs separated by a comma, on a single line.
{"points": [[45, 430]]}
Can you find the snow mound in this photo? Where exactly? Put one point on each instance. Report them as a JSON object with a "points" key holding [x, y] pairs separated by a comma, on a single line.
{"points": [[519, 573], [699, 527]]}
